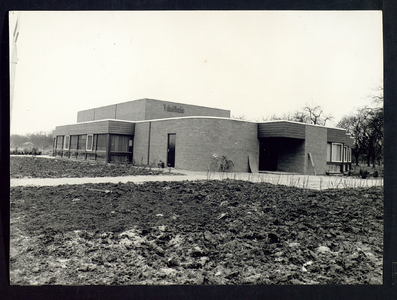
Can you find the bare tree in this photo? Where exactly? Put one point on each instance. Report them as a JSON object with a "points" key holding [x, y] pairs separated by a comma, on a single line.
{"points": [[301, 117], [366, 127], [310, 114], [353, 124], [239, 117], [315, 115], [274, 117]]}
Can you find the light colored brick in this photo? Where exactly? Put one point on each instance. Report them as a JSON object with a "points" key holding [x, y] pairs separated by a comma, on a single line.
{"points": [[197, 139]]}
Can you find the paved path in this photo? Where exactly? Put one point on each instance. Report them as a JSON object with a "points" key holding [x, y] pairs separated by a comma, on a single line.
{"points": [[302, 181]]}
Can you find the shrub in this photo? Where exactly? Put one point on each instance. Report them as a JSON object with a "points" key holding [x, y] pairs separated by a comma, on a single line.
{"points": [[364, 174], [35, 151]]}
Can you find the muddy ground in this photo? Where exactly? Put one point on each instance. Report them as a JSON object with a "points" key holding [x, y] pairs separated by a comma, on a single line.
{"points": [[200, 233], [38, 167]]}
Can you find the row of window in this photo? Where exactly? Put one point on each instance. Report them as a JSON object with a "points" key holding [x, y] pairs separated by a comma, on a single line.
{"points": [[94, 142], [87, 142], [336, 152]]}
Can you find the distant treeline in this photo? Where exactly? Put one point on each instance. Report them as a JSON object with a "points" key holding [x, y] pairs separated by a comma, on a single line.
{"points": [[40, 140]]}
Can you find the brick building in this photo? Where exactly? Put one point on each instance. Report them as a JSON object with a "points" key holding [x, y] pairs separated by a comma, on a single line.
{"points": [[148, 131]]}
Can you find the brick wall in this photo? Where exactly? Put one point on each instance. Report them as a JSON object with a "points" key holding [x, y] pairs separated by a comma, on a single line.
{"points": [[156, 109], [140, 153], [148, 109], [86, 115], [197, 139], [131, 111], [105, 112], [316, 144]]}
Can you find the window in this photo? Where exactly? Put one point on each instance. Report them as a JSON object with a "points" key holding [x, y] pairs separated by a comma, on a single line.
{"points": [[337, 152], [349, 154], [73, 142], [101, 142], [89, 142], [59, 142], [119, 143], [82, 142], [329, 152], [66, 142]]}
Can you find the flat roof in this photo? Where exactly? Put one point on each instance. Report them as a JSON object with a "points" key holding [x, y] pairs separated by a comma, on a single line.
{"points": [[163, 119], [150, 99], [209, 117], [295, 122]]}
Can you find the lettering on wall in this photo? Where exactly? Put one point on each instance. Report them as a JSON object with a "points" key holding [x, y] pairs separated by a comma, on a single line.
{"points": [[174, 108]]}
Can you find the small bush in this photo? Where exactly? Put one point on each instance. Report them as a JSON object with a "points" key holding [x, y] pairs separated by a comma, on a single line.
{"points": [[35, 151], [364, 174]]}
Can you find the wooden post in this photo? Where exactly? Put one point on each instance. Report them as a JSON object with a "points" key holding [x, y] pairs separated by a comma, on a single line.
{"points": [[312, 162]]}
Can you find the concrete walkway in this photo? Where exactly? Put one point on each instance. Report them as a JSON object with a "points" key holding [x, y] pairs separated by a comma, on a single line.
{"points": [[301, 181]]}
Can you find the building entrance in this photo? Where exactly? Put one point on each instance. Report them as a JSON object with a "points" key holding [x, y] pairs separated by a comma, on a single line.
{"points": [[171, 150], [268, 155], [282, 154]]}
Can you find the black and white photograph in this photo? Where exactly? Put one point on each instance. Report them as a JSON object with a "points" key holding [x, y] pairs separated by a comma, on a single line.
{"points": [[200, 148]]}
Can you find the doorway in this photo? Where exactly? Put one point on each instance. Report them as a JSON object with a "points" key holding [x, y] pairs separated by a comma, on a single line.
{"points": [[282, 154], [268, 155], [171, 150]]}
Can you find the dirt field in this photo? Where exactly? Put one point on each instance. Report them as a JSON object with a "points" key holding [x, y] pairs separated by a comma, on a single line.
{"points": [[39, 167], [204, 232]]}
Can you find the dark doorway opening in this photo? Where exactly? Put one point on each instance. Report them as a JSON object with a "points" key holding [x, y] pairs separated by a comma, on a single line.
{"points": [[171, 150], [282, 154], [268, 155]]}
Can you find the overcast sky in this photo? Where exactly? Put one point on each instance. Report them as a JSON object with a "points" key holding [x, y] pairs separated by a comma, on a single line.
{"points": [[254, 63]]}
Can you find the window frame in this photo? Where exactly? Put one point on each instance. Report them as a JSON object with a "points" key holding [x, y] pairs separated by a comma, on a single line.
{"points": [[349, 154], [81, 146], [74, 138], [66, 146], [120, 143], [101, 142], [59, 142], [92, 142], [341, 152]]}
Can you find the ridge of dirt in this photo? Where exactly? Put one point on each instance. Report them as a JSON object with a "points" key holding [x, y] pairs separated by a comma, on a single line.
{"points": [[203, 232]]}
